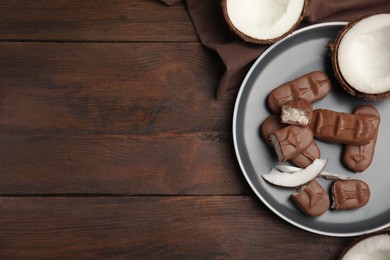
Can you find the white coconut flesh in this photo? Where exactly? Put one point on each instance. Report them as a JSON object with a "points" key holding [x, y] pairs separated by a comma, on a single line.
{"points": [[298, 178], [264, 19], [375, 247], [364, 55], [323, 174]]}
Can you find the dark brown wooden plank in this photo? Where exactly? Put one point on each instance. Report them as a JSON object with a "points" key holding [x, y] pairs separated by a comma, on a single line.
{"points": [[110, 88], [154, 228], [199, 163], [94, 20]]}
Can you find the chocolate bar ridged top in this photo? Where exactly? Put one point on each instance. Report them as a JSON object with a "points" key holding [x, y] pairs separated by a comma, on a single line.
{"points": [[343, 128], [350, 194], [312, 86]]}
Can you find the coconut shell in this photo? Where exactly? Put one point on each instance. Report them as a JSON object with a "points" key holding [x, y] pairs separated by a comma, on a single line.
{"points": [[250, 39], [336, 69]]}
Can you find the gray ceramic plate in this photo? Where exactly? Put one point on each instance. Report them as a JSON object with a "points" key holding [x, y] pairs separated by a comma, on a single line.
{"points": [[304, 51]]}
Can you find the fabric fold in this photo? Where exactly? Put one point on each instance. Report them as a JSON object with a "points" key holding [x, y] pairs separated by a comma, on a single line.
{"points": [[238, 56]]}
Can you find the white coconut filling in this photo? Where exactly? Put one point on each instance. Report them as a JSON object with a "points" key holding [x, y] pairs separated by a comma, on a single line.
{"points": [[276, 145], [364, 55], [294, 115], [264, 19], [375, 247]]}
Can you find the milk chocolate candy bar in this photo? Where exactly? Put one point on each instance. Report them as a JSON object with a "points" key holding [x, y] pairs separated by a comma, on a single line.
{"points": [[305, 158], [311, 199], [290, 141], [297, 112], [312, 86], [349, 194], [358, 158], [271, 124], [338, 127]]}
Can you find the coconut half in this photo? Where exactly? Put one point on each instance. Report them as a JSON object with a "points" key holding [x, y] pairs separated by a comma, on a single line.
{"points": [[263, 21], [361, 57], [376, 246]]}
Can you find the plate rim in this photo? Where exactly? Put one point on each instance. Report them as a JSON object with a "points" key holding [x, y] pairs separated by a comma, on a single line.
{"points": [[235, 141]]}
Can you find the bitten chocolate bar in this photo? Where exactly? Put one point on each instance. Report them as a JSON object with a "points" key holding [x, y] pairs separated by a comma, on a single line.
{"points": [[305, 158], [297, 112], [271, 124], [338, 127], [312, 199], [312, 86], [290, 141]]}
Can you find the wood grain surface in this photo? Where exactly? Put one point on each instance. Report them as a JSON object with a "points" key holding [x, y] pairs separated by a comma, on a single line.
{"points": [[153, 227], [113, 146], [95, 20], [95, 88]]}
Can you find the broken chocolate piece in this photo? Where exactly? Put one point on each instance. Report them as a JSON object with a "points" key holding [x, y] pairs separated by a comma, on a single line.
{"points": [[290, 141], [305, 158], [270, 125], [312, 86], [297, 112], [349, 194], [339, 127], [312, 199], [358, 158]]}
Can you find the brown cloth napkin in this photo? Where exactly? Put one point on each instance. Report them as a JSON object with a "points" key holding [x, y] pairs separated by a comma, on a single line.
{"points": [[171, 2], [238, 55]]}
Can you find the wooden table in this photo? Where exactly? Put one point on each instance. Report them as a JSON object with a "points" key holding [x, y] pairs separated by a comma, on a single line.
{"points": [[114, 146]]}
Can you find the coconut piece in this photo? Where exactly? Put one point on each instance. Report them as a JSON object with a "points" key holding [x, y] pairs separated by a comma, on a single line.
{"points": [[298, 178], [324, 174], [290, 141], [349, 194], [297, 112], [311, 199], [333, 176], [263, 21], [374, 246], [361, 57]]}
